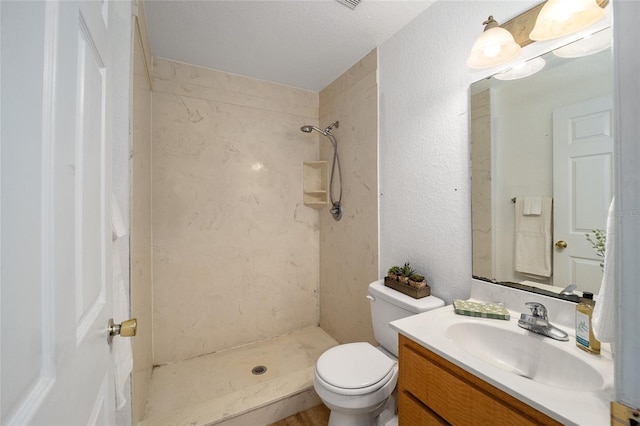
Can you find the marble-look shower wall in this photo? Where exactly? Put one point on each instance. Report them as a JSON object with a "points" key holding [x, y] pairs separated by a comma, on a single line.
{"points": [[481, 220], [349, 248], [140, 240], [235, 252]]}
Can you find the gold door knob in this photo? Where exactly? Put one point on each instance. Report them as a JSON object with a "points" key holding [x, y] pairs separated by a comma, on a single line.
{"points": [[126, 329], [561, 244]]}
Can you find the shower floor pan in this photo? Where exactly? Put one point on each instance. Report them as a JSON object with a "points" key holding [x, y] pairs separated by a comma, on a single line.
{"points": [[222, 389]]}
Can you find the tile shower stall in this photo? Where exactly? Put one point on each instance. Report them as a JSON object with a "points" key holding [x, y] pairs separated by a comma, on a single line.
{"points": [[237, 285]]}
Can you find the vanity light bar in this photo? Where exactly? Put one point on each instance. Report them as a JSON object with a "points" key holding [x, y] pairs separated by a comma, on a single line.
{"points": [[521, 25]]}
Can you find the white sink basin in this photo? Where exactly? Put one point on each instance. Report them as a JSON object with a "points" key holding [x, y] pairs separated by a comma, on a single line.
{"points": [[526, 354]]}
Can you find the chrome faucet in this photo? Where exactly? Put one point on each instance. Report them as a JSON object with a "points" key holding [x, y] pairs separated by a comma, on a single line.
{"points": [[568, 290], [538, 322]]}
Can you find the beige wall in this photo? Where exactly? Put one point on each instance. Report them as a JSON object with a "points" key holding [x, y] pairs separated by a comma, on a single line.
{"points": [[140, 241], [349, 247], [235, 252]]}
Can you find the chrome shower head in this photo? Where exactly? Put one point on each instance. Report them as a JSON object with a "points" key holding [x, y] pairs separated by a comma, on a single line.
{"points": [[327, 132], [309, 129]]}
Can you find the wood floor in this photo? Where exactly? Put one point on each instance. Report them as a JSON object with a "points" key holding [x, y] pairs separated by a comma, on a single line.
{"points": [[314, 416]]}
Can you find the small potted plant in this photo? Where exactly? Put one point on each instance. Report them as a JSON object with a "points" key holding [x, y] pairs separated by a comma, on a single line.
{"points": [[405, 272], [406, 280], [417, 281], [393, 272], [598, 243]]}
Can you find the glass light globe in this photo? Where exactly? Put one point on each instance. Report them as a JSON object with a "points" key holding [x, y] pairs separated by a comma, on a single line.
{"points": [[523, 70], [494, 47], [559, 18]]}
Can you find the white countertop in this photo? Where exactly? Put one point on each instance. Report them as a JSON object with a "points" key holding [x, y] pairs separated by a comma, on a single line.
{"points": [[567, 406]]}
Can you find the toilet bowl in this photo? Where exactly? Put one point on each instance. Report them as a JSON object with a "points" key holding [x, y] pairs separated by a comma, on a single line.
{"points": [[356, 381]]}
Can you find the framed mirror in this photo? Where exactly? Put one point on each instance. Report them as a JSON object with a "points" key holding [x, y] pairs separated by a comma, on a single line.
{"points": [[542, 169]]}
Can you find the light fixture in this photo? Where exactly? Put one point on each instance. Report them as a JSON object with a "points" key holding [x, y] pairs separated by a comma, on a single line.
{"points": [[559, 18], [587, 46], [523, 70], [494, 47]]}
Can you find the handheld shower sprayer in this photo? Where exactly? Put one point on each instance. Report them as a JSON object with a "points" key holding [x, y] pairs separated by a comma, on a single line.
{"points": [[336, 206], [326, 131]]}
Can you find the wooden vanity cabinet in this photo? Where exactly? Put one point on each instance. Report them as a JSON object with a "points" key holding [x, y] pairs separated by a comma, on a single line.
{"points": [[433, 391]]}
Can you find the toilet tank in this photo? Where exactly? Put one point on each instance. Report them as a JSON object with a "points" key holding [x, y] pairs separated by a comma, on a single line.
{"points": [[389, 305]]}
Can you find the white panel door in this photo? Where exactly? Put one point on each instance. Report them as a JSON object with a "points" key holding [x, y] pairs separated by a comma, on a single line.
{"points": [[583, 185], [55, 221]]}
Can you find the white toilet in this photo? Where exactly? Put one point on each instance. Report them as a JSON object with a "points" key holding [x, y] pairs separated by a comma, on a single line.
{"points": [[356, 380]]}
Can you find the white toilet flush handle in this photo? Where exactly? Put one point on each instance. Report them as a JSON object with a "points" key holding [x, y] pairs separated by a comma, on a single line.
{"points": [[370, 297]]}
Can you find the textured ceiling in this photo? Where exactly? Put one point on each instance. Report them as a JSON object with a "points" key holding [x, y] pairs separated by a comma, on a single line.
{"points": [[299, 43]]}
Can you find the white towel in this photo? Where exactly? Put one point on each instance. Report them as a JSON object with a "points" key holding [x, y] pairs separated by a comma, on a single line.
{"points": [[532, 206], [604, 313], [122, 354], [533, 239]]}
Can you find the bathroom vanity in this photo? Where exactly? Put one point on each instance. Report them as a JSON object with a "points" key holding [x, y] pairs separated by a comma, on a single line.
{"points": [[459, 370], [453, 394]]}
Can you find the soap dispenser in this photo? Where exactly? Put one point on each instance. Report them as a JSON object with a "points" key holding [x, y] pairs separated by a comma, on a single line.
{"points": [[585, 339]]}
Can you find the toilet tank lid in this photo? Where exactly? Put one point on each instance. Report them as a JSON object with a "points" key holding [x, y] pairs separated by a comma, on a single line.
{"points": [[378, 289]]}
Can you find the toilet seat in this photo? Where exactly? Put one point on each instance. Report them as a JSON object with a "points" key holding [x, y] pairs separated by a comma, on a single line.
{"points": [[354, 369]]}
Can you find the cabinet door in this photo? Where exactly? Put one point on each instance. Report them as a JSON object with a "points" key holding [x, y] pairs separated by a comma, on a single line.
{"points": [[412, 412], [457, 396]]}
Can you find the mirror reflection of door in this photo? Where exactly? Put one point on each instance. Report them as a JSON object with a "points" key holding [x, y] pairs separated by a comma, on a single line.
{"points": [[512, 156], [582, 188]]}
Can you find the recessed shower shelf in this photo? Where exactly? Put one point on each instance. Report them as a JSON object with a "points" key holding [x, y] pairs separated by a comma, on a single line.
{"points": [[314, 184], [315, 204]]}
